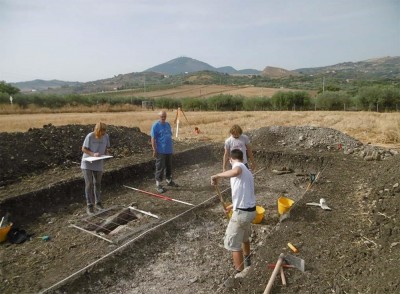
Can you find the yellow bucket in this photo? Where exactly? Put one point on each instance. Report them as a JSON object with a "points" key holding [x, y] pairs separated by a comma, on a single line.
{"points": [[260, 211], [284, 204], [3, 232], [259, 215]]}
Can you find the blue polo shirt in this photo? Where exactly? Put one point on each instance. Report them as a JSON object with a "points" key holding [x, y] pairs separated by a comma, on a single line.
{"points": [[162, 133]]}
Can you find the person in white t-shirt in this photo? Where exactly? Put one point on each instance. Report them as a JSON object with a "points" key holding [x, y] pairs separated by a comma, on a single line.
{"points": [[244, 211], [238, 141]]}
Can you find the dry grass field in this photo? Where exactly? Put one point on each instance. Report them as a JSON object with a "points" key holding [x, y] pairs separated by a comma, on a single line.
{"points": [[194, 91], [211, 90], [377, 128]]}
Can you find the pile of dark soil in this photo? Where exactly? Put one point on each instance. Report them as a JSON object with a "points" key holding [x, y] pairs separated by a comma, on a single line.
{"points": [[38, 150]]}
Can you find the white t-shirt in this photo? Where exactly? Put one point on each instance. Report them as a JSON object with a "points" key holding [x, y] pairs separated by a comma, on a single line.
{"points": [[243, 188], [240, 143]]}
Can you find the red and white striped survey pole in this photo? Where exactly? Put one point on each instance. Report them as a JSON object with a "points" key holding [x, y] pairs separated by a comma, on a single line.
{"points": [[159, 196]]}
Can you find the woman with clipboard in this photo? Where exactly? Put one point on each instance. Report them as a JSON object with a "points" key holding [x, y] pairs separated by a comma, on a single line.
{"points": [[94, 145]]}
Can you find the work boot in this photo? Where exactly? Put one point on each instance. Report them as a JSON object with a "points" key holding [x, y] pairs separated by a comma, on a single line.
{"points": [[99, 206], [171, 183], [160, 189], [247, 261], [243, 273], [90, 209]]}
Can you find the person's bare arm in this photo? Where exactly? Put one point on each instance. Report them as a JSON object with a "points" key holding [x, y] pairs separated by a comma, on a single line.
{"points": [[154, 147], [225, 160], [228, 208], [251, 157], [226, 174], [89, 152]]}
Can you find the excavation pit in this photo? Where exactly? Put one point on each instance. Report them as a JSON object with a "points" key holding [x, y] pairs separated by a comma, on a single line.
{"points": [[182, 251], [115, 224], [179, 227]]}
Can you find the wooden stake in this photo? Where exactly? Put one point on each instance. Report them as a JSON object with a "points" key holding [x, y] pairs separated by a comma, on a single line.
{"points": [[220, 197], [283, 278]]}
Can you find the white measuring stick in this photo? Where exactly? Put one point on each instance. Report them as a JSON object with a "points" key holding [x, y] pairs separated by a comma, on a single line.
{"points": [[82, 229], [144, 212], [259, 171], [159, 196], [183, 202]]}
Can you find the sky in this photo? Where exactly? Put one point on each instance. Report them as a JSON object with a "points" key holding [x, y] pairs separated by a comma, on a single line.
{"points": [[87, 40]]}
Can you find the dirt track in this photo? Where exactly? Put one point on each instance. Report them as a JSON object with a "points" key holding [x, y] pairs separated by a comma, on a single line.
{"points": [[352, 249]]}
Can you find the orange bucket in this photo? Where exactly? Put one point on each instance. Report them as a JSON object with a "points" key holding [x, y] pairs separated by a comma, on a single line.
{"points": [[4, 231]]}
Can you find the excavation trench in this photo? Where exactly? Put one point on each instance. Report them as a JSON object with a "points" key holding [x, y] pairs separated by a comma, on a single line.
{"points": [[182, 248]]}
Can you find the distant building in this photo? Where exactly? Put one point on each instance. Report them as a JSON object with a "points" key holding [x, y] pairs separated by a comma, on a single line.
{"points": [[148, 105]]}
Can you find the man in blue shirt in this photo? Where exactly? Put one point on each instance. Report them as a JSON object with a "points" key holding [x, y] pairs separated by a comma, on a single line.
{"points": [[161, 142]]}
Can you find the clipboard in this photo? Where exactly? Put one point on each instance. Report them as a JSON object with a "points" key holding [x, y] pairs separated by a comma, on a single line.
{"points": [[94, 158]]}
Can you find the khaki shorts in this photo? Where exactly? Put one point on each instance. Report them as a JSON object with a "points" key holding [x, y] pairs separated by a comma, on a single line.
{"points": [[238, 230]]}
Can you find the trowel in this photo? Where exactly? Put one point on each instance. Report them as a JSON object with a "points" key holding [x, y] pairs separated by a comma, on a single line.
{"points": [[322, 204]]}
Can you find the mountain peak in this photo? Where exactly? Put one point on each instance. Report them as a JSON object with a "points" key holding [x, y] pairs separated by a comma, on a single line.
{"points": [[181, 65], [277, 72], [189, 65]]}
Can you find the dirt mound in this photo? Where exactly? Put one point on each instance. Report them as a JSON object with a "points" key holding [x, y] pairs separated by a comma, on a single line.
{"points": [[37, 150], [316, 139], [302, 136]]}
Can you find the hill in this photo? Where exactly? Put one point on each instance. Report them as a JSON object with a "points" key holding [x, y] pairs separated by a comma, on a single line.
{"points": [[40, 85], [189, 71], [276, 72], [377, 68], [180, 65], [189, 65]]}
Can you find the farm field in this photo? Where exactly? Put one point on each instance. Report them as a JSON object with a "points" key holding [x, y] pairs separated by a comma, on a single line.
{"points": [[203, 91]]}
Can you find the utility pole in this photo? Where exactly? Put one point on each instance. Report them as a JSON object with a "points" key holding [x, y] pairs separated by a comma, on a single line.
{"points": [[323, 85]]}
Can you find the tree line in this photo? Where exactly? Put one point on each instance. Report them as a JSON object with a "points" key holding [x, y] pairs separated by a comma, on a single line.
{"points": [[370, 98]]}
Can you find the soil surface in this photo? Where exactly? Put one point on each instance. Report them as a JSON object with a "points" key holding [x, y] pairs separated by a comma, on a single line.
{"points": [[352, 248]]}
